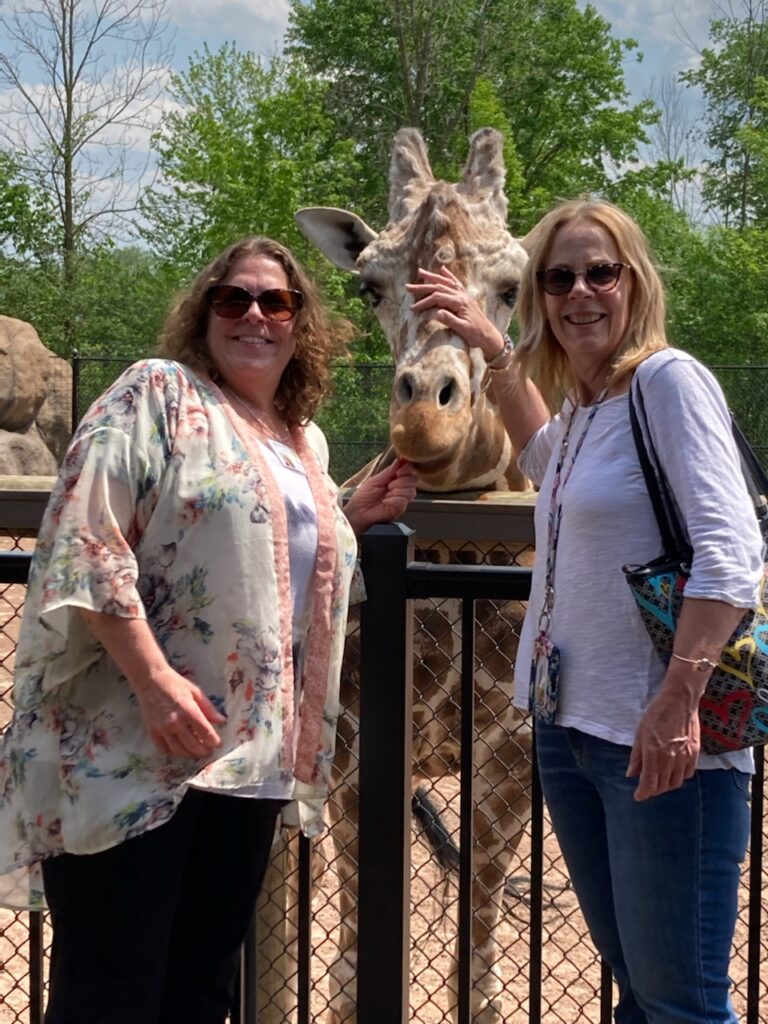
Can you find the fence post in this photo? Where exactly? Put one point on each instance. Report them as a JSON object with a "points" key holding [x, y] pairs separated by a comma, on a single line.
{"points": [[76, 365], [386, 723]]}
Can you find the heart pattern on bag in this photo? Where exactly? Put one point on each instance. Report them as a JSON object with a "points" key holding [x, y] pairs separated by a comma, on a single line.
{"points": [[736, 659], [733, 712]]}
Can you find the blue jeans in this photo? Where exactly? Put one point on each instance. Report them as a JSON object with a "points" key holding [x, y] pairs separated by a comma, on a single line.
{"points": [[657, 881]]}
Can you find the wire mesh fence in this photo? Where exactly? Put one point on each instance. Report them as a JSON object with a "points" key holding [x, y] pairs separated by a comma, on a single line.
{"points": [[19, 948], [354, 418], [319, 895], [284, 992]]}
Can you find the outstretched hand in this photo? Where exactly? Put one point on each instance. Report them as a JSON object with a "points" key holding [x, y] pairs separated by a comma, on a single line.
{"points": [[443, 292], [382, 497]]}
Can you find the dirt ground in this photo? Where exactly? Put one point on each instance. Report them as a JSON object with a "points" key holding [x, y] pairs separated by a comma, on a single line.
{"points": [[570, 973]]}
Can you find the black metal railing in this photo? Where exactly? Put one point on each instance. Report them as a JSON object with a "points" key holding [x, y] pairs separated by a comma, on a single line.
{"points": [[392, 582]]}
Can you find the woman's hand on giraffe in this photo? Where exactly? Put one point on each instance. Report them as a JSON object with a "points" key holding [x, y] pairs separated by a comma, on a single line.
{"points": [[444, 293], [382, 497]]}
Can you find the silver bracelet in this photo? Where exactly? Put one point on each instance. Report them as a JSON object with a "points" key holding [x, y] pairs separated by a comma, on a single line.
{"points": [[503, 357], [700, 664]]}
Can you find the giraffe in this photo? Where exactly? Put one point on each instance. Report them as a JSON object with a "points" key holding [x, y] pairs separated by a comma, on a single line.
{"points": [[443, 418]]}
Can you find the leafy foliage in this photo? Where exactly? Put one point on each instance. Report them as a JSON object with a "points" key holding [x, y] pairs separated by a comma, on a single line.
{"points": [[116, 304], [552, 73], [733, 75], [24, 212], [246, 146]]}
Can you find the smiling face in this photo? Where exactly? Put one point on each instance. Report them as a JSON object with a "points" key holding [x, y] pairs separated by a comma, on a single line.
{"points": [[589, 325], [251, 353]]}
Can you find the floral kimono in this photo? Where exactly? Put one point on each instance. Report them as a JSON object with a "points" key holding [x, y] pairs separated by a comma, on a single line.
{"points": [[165, 509]]}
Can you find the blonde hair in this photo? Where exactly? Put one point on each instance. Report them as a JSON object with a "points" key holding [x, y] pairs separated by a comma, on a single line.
{"points": [[539, 353], [319, 337]]}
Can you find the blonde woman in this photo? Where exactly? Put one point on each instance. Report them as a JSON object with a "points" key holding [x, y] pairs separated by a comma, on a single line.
{"points": [[652, 830]]}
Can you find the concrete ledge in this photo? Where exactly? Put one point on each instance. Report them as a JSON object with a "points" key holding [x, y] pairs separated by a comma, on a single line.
{"points": [[497, 516], [23, 500]]}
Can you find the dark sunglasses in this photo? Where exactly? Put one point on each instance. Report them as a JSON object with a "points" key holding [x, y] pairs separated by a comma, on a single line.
{"points": [[603, 277], [231, 302]]}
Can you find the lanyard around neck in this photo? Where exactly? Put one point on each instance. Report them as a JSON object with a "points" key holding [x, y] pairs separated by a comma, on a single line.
{"points": [[555, 514]]}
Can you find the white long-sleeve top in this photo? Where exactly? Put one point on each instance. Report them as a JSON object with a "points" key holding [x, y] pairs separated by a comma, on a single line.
{"points": [[609, 670]]}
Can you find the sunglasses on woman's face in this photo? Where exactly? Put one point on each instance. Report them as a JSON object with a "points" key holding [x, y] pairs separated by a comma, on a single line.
{"points": [[603, 277], [231, 302]]}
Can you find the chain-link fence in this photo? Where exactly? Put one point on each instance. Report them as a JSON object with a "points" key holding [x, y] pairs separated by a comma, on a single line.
{"points": [[355, 418], [305, 963], [524, 936], [746, 389], [20, 934]]}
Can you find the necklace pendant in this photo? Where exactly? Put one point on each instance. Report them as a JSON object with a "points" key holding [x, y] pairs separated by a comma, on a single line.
{"points": [[286, 456]]}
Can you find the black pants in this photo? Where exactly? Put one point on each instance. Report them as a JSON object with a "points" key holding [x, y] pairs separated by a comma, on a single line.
{"points": [[148, 932]]}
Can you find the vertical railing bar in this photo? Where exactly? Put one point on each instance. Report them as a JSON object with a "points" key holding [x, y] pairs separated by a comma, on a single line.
{"points": [[606, 993], [537, 892], [76, 369], [304, 937], [466, 812], [386, 744], [36, 967], [756, 851]]}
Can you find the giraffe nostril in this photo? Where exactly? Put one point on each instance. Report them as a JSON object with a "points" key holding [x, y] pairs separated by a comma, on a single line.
{"points": [[404, 389], [446, 393]]}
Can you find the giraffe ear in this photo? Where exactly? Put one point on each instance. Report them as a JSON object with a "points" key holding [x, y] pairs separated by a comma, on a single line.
{"points": [[339, 235], [527, 241], [409, 173], [484, 172]]}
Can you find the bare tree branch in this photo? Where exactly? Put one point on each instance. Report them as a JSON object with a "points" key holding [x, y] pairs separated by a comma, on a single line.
{"points": [[82, 81]]}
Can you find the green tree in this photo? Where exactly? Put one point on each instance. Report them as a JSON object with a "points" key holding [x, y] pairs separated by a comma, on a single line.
{"points": [[732, 74], [555, 71], [248, 144], [24, 212], [116, 307]]}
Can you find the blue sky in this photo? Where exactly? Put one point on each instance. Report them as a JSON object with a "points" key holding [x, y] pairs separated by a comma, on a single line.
{"points": [[658, 25], [668, 36]]}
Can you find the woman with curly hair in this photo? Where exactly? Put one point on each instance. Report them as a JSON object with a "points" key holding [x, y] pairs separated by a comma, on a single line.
{"points": [[178, 665]]}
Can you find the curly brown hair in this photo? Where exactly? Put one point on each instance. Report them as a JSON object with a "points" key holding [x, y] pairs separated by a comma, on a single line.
{"points": [[319, 336]]}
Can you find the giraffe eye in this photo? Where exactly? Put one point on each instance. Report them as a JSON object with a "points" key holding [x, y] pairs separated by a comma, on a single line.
{"points": [[370, 292], [509, 295]]}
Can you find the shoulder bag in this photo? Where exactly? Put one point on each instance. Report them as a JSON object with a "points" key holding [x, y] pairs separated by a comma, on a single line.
{"points": [[733, 712]]}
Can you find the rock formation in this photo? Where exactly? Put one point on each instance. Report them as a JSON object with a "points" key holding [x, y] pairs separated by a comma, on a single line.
{"points": [[35, 402]]}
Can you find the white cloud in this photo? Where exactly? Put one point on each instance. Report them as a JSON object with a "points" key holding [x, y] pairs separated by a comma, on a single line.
{"points": [[257, 25], [658, 22]]}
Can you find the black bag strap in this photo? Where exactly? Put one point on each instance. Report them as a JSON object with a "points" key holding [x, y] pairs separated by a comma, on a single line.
{"points": [[673, 537], [754, 475], [672, 532]]}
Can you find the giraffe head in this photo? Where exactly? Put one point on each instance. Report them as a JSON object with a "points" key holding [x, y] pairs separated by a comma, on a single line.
{"points": [[442, 415]]}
